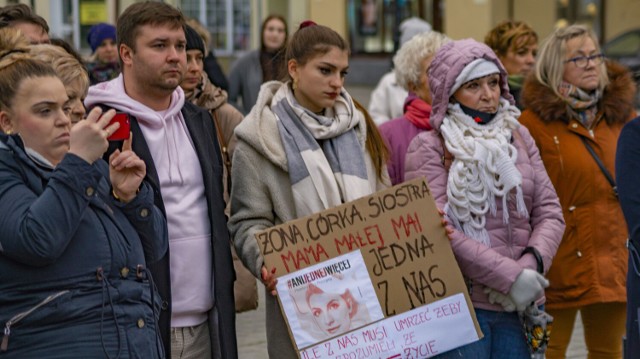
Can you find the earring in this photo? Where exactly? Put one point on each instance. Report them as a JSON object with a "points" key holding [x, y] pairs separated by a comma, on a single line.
{"points": [[8, 132], [295, 84]]}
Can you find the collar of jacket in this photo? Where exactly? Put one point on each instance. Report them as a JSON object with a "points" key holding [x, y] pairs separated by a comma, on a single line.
{"points": [[616, 105]]}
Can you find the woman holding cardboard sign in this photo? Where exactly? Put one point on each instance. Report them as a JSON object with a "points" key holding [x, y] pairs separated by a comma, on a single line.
{"points": [[289, 149], [485, 172]]}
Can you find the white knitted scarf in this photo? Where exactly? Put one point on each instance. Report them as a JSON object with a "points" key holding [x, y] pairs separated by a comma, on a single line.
{"points": [[483, 168]]}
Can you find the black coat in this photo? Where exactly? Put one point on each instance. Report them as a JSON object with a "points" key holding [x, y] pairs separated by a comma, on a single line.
{"points": [[214, 71], [202, 131], [627, 172]]}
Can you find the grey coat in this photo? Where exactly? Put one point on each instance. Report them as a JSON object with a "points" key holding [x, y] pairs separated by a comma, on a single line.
{"points": [[245, 80]]}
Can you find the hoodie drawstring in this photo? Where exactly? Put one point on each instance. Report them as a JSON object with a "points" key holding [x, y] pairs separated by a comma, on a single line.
{"points": [[170, 130]]}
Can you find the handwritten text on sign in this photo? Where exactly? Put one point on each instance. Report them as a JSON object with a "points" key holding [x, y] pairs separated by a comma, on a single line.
{"points": [[298, 244], [419, 333], [399, 235]]}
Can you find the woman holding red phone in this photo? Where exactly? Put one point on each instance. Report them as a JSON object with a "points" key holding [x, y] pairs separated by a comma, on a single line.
{"points": [[77, 233]]}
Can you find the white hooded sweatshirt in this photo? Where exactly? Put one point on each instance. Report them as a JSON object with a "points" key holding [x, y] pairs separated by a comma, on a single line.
{"points": [[182, 190]]}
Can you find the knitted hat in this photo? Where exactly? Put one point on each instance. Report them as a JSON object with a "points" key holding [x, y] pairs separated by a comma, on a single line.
{"points": [[474, 70], [412, 27], [100, 32], [194, 41]]}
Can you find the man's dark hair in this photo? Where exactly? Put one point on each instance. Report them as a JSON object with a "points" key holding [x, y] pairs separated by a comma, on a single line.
{"points": [[145, 13], [11, 14], [68, 48]]}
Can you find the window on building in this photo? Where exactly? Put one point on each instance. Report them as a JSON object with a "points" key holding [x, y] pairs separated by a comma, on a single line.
{"points": [[228, 21], [588, 12], [373, 24], [91, 12]]}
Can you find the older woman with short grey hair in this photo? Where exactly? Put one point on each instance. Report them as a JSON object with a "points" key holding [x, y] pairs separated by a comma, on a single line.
{"points": [[411, 64]]}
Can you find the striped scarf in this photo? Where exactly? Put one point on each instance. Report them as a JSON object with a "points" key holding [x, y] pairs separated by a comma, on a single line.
{"points": [[582, 104], [325, 153]]}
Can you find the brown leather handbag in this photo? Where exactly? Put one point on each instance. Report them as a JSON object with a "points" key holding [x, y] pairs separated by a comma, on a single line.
{"points": [[245, 287]]}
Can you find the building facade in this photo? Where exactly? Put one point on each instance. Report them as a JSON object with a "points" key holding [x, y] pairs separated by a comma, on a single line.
{"points": [[371, 26]]}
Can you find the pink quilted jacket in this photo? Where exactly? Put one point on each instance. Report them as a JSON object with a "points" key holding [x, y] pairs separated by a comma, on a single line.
{"points": [[497, 266]]}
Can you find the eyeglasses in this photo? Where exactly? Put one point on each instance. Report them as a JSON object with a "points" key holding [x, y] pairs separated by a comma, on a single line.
{"points": [[583, 61]]}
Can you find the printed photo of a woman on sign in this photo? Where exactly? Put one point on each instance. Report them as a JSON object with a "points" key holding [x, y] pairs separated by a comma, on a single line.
{"points": [[328, 299], [333, 308]]}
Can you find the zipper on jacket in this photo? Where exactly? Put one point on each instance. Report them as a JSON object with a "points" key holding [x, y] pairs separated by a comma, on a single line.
{"points": [[18, 317], [557, 142]]}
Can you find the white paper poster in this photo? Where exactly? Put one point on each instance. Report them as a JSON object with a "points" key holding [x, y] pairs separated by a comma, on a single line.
{"points": [[328, 299], [419, 333]]}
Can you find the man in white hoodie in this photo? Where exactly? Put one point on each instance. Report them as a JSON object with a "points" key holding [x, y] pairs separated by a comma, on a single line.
{"points": [[178, 143]]}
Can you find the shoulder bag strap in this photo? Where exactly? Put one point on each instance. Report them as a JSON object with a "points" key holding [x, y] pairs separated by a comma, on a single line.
{"points": [[604, 170], [223, 144]]}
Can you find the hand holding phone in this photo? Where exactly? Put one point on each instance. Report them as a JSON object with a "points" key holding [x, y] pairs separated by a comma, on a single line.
{"points": [[126, 172], [122, 133], [88, 138]]}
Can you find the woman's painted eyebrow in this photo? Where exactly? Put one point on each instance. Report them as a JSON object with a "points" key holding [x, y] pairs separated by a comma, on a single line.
{"points": [[45, 104], [332, 66]]}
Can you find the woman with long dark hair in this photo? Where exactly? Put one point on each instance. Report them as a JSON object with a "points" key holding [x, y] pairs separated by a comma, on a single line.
{"points": [[259, 66]]}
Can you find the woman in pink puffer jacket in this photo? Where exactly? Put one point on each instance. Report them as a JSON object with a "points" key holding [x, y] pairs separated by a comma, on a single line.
{"points": [[494, 190]]}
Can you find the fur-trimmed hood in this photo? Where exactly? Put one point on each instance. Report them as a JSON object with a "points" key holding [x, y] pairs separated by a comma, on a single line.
{"points": [[617, 103]]}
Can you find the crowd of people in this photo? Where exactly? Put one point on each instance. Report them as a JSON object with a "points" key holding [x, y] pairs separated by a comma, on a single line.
{"points": [[124, 247]]}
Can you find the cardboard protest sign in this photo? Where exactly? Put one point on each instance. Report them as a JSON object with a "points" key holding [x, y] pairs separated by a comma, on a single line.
{"points": [[392, 243]]}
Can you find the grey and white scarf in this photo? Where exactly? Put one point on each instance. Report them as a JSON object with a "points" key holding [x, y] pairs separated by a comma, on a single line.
{"points": [[325, 153]]}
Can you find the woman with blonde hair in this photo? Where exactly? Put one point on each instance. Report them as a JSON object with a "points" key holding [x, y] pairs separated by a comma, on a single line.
{"points": [[576, 105], [72, 73], [516, 45], [77, 232]]}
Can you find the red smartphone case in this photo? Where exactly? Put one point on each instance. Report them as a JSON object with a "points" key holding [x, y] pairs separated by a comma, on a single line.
{"points": [[122, 133]]}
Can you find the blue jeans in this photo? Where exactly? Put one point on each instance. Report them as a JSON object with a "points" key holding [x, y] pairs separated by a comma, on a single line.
{"points": [[503, 338]]}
